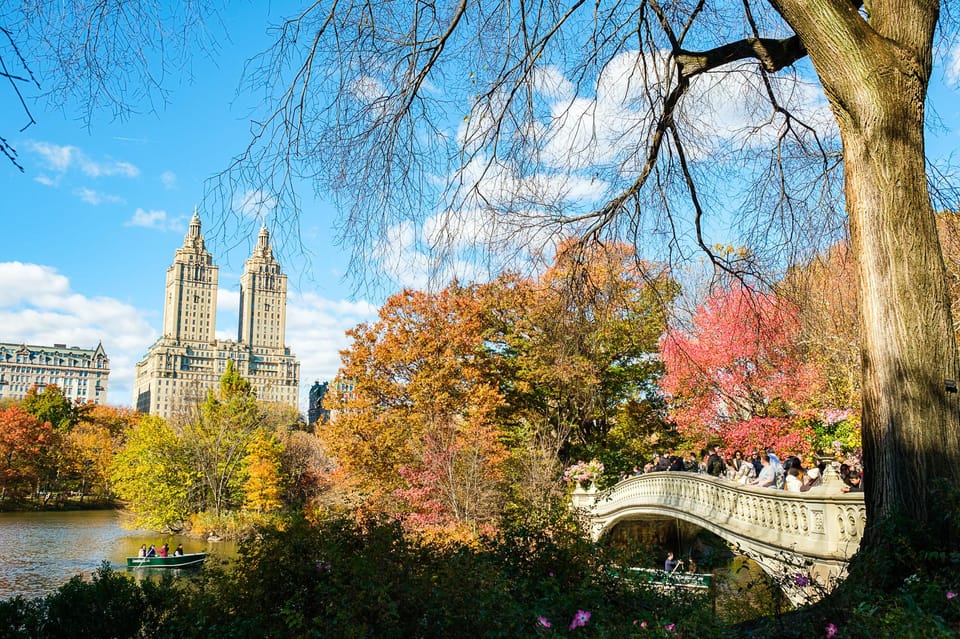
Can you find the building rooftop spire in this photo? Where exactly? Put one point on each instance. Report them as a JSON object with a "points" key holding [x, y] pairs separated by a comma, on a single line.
{"points": [[263, 244], [193, 238]]}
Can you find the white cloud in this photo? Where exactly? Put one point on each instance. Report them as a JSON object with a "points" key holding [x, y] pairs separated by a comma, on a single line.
{"points": [[96, 169], [228, 312], [952, 69], [63, 158], [58, 158], [579, 150], [316, 332], [255, 204], [157, 220], [20, 281], [732, 109], [37, 306], [367, 89], [168, 179], [95, 197], [549, 81], [729, 107]]}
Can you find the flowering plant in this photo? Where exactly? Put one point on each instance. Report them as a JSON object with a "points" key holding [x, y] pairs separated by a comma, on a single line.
{"points": [[580, 619], [583, 472]]}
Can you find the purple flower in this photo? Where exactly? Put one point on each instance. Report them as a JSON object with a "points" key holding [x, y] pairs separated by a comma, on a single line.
{"points": [[801, 580], [951, 594], [669, 627], [580, 619], [831, 630], [543, 621]]}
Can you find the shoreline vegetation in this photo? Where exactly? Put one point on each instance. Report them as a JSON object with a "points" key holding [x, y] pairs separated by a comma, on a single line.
{"points": [[349, 577], [59, 503]]}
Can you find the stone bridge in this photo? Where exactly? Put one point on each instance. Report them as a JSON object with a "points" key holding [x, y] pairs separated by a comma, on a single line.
{"points": [[794, 537]]}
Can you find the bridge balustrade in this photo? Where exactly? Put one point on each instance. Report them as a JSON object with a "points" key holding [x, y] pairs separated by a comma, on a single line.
{"points": [[813, 532]]}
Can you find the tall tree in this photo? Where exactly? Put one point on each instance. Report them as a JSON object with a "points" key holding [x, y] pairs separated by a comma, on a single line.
{"points": [[218, 437], [88, 455], [824, 291], [26, 446], [263, 485], [152, 473], [117, 420], [418, 423], [873, 63], [305, 467], [451, 392], [91, 444], [49, 404], [586, 335]]}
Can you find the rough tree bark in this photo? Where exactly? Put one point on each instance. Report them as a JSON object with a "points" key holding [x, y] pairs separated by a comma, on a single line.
{"points": [[875, 75]]}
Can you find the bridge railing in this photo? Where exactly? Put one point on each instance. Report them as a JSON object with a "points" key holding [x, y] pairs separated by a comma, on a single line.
{"points": [[822, 524]]}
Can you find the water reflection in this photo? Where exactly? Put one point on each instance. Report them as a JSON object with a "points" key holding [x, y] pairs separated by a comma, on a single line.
{"points": [[41, 551]]}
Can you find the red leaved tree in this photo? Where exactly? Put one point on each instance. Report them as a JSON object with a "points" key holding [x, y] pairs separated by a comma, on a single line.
{"points": [[26, 446], [737, 374]]}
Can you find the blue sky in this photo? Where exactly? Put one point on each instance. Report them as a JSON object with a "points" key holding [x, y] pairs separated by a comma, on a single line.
{"points": [[91, 225]]}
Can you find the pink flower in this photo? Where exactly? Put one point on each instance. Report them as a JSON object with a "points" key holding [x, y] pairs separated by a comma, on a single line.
{"points": [[580, 619], [831, 630], [951, 594], [543, 621], [669, 627], [643, 624]]}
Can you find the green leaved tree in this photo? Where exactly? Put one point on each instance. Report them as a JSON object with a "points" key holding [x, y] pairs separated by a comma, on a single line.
{"points": [[217, 439], [153, 474]]}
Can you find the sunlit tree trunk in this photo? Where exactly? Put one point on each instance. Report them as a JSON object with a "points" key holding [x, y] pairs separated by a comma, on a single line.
{"points": [[875, 75]]}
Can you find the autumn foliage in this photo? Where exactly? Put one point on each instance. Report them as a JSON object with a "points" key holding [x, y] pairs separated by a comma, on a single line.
{"points": [[459, 405], [737, 375], [417, 431], [26, 447]]}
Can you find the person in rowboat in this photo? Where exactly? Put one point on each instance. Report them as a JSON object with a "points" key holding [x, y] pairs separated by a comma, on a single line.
{"points": [[179, 551], [671, 564]]}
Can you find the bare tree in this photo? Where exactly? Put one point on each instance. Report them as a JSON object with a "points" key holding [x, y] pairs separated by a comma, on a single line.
{"points": [[87, 57]]}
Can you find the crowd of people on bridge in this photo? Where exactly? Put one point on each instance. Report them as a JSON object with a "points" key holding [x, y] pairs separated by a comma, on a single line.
{"points": [[762, 469]]}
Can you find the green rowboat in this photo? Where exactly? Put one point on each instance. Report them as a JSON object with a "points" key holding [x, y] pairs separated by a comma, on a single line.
{"points": [[191, 560]]}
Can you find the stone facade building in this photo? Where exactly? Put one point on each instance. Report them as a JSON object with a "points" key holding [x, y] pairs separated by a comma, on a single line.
{"points": [[188, 359], [79, 372]]}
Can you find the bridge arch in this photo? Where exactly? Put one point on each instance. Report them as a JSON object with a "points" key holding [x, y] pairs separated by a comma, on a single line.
{"points": [[812, 534]]}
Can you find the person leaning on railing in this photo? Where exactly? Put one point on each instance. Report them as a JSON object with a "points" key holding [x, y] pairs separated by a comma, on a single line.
{"points": [[768, 474]]}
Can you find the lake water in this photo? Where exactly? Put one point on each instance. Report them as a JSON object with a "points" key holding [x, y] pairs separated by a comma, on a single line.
{"points": [[39, 552]]}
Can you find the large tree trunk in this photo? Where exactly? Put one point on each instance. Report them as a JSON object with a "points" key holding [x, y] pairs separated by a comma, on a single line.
{"points": [[909, 419], [875, 75]]}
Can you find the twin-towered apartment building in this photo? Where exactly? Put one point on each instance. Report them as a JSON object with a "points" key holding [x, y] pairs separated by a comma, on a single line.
{"points": [[189, 359]]}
